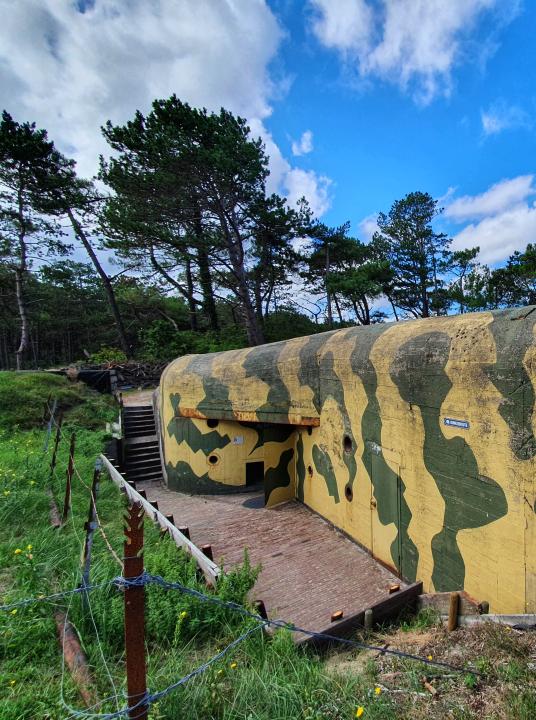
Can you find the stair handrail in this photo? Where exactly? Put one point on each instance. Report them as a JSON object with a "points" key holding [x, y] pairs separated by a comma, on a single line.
{"points": [[210, 570]]}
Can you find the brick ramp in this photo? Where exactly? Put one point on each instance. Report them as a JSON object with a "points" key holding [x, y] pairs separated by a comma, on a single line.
{"points": [[309, 569]]}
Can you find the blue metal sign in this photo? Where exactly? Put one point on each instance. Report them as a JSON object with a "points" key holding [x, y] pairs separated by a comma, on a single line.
{"points": [[456, 423]]}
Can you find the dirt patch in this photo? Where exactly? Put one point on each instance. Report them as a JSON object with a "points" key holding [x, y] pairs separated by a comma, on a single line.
{"points": [[494, 673]]}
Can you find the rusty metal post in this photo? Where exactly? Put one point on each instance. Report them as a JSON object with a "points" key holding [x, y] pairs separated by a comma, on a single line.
{"points": [[91, 524], [69, 472], [135, 614]]}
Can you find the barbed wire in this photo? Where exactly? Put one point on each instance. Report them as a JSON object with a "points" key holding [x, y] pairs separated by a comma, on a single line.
{"points": [[150, 698], [148, 579], [56, 596]]}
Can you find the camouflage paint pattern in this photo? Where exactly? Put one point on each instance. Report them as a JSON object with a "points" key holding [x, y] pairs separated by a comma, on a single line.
{"points": [[417, 439]]}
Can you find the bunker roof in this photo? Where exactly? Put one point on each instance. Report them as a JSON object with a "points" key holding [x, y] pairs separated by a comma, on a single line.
{"points": [[287, 381]]}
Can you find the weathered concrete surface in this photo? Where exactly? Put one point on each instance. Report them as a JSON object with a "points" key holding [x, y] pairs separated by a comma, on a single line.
{"points": [[309, 569]]}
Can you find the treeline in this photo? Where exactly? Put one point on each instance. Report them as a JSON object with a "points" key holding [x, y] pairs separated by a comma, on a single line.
{"points": [[206, 259]]}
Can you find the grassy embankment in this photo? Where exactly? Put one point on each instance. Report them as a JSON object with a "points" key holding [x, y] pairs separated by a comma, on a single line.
{"points": [[261, 679]]}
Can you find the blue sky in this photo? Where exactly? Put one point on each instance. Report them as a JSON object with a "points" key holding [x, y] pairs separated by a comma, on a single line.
{"points": [[358, 101]]}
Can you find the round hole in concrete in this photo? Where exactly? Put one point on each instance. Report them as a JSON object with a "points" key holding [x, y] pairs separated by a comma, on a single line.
{"points": [[348, 493], [213, 459], [347, 444], [212, 423]]}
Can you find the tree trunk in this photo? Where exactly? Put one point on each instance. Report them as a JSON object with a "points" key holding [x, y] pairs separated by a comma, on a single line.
{"points": [[191, 300], [328, 294], [253, 328], [205, 281], [336, 301], [393, 307], [20, 274], [424, 298], [81, 235], [236, 256], [23, 315]]}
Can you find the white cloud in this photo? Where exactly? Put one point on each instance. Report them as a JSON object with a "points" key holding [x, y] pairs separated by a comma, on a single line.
{"points": [[367, 227], [500, 235], [71, 71], [496, 199], [304, 145], [295, 183], [306, 183], [501, 116], [413, 43], [504, 219], [345, 25]]}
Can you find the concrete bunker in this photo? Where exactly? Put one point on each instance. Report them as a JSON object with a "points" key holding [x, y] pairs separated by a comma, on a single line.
{"points": [[415, 438]]}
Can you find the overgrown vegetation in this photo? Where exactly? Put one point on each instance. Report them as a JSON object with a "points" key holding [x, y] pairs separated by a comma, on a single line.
{"points": [[26, 397], [262, 679]]}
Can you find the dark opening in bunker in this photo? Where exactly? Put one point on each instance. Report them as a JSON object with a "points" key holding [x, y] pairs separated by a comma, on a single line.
{"points": [[254, 474]]}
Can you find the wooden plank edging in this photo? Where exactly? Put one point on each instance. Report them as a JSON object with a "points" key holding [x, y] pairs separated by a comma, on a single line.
{"points": [[210, 570], [387, 609]]}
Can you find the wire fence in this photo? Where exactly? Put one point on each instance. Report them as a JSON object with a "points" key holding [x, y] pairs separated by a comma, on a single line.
{"points": [[123, 584]]}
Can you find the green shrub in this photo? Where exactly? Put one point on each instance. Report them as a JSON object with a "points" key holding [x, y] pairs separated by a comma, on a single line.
{"points": [[107, 354]]}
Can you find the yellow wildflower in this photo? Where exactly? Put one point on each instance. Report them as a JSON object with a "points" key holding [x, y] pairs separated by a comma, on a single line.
{"points": [[360, 710], [13, 612], [12, 682], [183, 614], [29, 547], [378, 690], [429, 657], [232, 665], [18, 551]]}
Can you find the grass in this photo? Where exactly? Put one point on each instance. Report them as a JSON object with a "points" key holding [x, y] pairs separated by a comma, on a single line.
{"points": [[265, 678], [24, 396]]}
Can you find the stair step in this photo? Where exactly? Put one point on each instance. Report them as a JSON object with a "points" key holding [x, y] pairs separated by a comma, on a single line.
{"points": [[141, 431], [138, 452], [141, 459], [145, 477], [142, 441], [146, 465]]}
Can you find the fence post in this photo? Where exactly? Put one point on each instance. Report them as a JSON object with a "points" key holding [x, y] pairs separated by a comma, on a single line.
{"points": [[70, 470], [135, 613], [56, 444], [91, 524], [50, 422]]}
